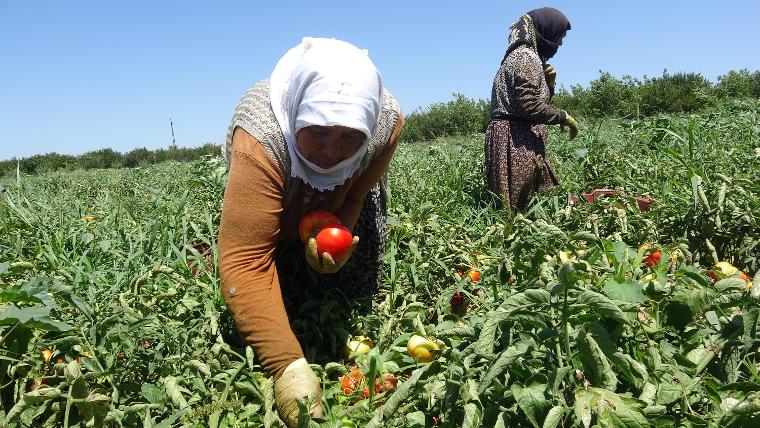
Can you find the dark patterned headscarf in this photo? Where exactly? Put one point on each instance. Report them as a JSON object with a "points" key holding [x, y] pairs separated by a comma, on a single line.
{"points": [[551, 26], [541, 29]]}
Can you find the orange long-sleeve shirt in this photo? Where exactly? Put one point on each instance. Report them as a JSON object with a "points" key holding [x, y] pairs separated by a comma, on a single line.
{"points": [[254, 220]]}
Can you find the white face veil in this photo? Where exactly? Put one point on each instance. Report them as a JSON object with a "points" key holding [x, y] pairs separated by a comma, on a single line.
{"points": [[325, 82]]}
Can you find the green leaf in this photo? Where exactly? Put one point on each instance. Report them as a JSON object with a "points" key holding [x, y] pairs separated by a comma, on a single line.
{"points": [[37, 317], [415, 419], [729, 283], [172, 388], [623, 417], [454, 377], [556, 378], [485, 343], [602, 305], [755, 290], [582, 408], [503, 361], [532, 401], [595, 363], [554, 417], [472, 416], [41, 394], [628, 291], [152, 393], [668, 393], [17, 295], [633, 371], [401, 394], [613, 410]]}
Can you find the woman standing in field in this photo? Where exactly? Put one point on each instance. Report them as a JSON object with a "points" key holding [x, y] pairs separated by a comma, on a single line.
{"points": [[515, 154], [319, 134]]}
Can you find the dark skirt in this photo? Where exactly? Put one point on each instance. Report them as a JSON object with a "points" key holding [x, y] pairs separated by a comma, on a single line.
{"points": [[361, 275], [515, 161]]}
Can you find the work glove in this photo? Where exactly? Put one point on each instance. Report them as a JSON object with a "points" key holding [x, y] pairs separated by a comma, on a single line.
{"points": [[550, 73], [324, 263], [297, 382], [571, 124]]}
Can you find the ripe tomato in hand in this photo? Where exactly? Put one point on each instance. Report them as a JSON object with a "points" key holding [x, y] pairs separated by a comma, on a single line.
{"points": [[335, 240], [316, 220]]}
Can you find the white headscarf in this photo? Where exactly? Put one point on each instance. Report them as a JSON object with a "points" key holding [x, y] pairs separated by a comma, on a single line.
{"points": [[325, 82]]}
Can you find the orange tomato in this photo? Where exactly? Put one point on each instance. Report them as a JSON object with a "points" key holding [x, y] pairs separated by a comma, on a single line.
{"points": [[474, 275], [653, 259]]}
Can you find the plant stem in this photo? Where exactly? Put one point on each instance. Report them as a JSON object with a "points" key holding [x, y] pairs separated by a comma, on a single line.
{"points": [[69, 402], [564, 321]]}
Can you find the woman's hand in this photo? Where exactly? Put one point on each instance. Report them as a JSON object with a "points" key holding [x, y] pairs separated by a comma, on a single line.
{"points": [[571, 124], [551, 76], [324, 263], [297, 383]]}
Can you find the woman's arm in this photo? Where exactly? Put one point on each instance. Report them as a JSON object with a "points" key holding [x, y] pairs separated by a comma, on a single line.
{"points": [[528, 81], [352, 204], [248, 235]]}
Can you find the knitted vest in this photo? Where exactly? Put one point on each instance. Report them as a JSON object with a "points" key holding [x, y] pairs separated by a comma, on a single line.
{"points": [[254, 114]]}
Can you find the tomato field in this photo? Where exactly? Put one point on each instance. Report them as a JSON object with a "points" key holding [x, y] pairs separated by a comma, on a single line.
{"points": [[609, 312]]}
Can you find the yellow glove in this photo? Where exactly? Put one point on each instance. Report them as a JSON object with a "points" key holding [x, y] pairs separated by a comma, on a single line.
{"points": [[326, 264], [297, 383], [571, 124], [550, 73]]}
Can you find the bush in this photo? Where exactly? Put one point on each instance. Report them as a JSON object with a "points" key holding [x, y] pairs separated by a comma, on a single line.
{"points": [[677, 93], [608, 96], [739, 84], [457, 117]]}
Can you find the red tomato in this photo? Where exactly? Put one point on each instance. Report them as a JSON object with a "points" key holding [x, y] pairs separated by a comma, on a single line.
{"points": [[347, 384], [457, 299], [314, 221], [713, 277], [356, 374], [474, 275], [334, 240], [653, 259], [389, 382]]}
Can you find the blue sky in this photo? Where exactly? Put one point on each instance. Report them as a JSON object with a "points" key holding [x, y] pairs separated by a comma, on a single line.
{"points": [[77, 76]]}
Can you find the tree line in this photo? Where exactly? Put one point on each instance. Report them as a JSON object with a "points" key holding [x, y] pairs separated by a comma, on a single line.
{"points": [[104, 158], [606, 96]]}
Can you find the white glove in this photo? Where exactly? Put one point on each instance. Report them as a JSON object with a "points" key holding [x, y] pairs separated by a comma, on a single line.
{"points": [[297, 382]]}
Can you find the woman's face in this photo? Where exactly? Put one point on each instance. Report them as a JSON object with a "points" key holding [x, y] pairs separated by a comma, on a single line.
{"points": [[325, 146]]}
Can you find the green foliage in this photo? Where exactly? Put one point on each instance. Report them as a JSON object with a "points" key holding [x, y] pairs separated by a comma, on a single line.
{"points": [[461, 116], [606, 96], [115, 272], [103, 159], [739, 84], [628, 97], [676, 93]]}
